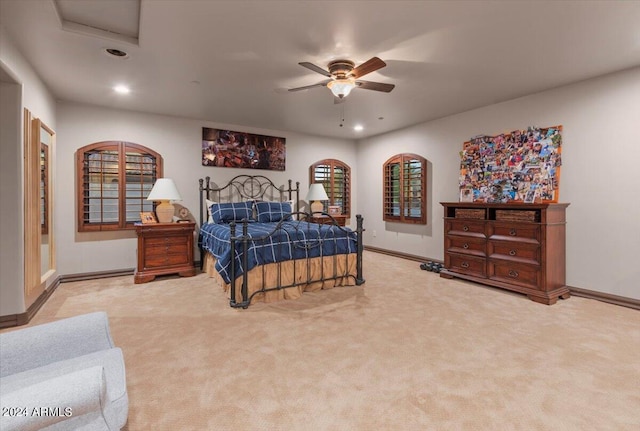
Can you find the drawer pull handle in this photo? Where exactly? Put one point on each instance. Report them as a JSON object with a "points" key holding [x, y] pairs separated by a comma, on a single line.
{"points": [[513, 232], [465, 228], [465, 246], [513, 273], [465, 264], [512, 252]]}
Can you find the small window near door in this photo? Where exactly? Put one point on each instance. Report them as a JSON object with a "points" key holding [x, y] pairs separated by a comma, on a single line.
{"points": [[405, 189], [114, 179], [335, 176]]}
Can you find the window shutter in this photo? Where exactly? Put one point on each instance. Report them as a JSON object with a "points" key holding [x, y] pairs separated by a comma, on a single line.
{"points": [[335, 177], [404, 189], [114, 179]]}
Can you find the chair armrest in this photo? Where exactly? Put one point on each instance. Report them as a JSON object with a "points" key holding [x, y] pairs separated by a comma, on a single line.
{"points": [[56, 400], [36, 346]]}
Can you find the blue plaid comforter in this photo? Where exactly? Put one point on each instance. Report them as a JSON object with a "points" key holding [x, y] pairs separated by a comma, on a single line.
{"points": [[293, 240]]}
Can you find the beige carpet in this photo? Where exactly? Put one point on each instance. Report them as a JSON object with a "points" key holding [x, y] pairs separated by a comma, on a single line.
{"points": [[406, 351]]}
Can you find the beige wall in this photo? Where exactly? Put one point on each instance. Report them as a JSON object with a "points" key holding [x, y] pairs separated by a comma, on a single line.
{"points": [[178, 140], [20, 87], [11, 227], [599, 178]]}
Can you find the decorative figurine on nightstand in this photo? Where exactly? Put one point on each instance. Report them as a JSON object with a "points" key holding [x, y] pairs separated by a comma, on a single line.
{"points": [[182, 214]]}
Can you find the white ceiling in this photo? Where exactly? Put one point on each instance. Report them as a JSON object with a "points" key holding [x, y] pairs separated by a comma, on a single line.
{"points": [[230, 61]]}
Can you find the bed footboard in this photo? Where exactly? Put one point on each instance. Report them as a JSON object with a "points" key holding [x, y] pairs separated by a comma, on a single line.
{"points": [[341, 271]]}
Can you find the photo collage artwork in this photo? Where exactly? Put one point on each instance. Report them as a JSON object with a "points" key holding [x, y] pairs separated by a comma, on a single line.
{"points": [[521, 166]]}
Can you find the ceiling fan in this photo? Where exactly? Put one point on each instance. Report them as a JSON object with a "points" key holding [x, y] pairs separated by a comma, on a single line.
{"points": [[345, 77]]}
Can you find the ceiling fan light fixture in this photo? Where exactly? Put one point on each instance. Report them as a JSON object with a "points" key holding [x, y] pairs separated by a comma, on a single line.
{"points": [[342, 87]]}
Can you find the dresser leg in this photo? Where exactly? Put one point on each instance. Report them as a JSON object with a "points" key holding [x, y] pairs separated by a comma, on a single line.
{"points": [[444, 274], [541, 300], [188, 273], [138, 279]]}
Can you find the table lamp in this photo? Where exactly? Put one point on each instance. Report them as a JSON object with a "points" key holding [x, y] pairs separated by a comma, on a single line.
{"points": [[164, 190], [316, 194]]}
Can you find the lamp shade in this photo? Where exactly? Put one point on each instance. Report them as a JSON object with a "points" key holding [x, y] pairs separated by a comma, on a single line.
{"points": [[164, 190], [317, 193], [341, 87]]}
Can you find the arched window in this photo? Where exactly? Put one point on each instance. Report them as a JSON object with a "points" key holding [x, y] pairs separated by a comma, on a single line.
{"points": [[405, 189], [335, 176], [114, 179]]}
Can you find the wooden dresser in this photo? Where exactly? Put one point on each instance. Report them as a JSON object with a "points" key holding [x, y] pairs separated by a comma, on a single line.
{"points": [[520, 247], [164, 248]]}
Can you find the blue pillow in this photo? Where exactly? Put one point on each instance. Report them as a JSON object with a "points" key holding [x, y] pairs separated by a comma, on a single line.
{"points": [[273, 211], [232, 211]]}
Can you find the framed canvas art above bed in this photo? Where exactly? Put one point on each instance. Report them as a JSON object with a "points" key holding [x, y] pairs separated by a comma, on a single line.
{"points": [[230, 149]]}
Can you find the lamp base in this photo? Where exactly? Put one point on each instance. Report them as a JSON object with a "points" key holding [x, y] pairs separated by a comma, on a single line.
{"points": [[165, 211], [316, 207]]}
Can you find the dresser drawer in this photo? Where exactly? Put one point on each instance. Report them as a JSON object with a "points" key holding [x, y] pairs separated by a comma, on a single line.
{"points": [[469, 265], [523, 232], [465, 245], [464, 228], [513, 273], [514, 251]]}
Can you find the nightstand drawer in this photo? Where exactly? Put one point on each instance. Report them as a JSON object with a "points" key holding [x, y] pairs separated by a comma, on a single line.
{"points": [[165, 260], [164, 250], [165, 241], [322, 219]]}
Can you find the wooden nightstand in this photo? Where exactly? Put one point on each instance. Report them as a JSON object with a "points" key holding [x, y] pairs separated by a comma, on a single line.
{"points": [[323, 219], [164, 248]]}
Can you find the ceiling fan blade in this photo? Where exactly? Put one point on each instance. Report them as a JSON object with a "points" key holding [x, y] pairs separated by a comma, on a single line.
{"points": [[368, 66], [306, 87], [376, 86], [315, 68]]}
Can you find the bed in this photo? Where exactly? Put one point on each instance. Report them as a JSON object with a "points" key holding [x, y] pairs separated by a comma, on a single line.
{"points": [[258, 247]]}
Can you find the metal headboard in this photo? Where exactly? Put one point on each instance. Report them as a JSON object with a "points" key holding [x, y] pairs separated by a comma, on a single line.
{"points": [[243, 188]]}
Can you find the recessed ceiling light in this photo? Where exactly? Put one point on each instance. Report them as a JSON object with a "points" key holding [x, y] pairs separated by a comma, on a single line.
{"points": [[358, 128], [121, 89], [116, 53]]}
